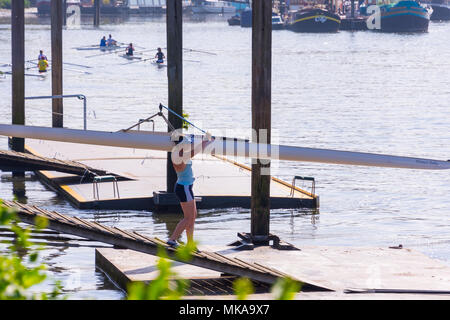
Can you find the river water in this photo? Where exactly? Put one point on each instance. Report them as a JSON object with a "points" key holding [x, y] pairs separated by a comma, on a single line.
{"points": [[356, 91]]}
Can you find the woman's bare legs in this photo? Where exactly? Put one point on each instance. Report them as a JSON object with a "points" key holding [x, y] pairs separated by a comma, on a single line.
{"points": [[187, 223]]}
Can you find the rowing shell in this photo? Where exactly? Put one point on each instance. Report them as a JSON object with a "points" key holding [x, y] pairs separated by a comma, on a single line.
{"points": [[99, 48], [221, 146], [159, 64], [130, 57]]}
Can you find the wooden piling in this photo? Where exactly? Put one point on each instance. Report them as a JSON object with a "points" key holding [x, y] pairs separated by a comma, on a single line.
{"points": [[261, 115], [64, 12], [57, 62], [353, 8], [18, 71], [96, 13], [174, 30]]}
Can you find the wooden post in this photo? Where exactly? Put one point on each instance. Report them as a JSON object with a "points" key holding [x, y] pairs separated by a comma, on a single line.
{"points": [[18, 71], [96, 13], [57, 62], [261, 115], [64, 12], [174, 32]]}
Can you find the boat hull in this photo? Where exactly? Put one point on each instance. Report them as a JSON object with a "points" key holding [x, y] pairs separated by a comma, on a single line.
{"points": [[278, 26], [404, 23], [246, 18], [214, 7], [221, 146], [440, 12], [234, 21], [43, 7], [405, 17], [318, 21]]}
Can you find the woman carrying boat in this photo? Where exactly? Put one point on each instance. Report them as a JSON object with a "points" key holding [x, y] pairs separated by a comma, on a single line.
{"points": [[181, 160]]}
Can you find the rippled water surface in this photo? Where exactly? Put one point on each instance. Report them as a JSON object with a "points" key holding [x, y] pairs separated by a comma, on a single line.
{"points": [[359, 91]]}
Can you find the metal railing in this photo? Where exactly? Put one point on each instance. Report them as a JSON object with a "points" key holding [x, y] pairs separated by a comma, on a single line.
{"points": [[79, 96]]}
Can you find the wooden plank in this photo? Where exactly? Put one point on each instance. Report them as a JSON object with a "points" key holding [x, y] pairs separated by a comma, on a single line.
{"points": [[127, 242], [140, 180], [12, 159], [261, 116]]}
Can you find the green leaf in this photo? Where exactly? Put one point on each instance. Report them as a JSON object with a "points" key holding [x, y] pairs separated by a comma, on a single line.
{"points": [[242, 288], [285, 288], [40, 222]]}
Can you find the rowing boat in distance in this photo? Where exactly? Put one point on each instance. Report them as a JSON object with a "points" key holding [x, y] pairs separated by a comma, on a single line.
{"points": [[159, 64], [316, 20], [441, 10], [97, 47], [126, 56]]}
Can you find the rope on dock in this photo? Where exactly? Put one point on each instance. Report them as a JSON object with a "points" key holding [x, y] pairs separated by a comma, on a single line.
{"points": [[138, 242]]}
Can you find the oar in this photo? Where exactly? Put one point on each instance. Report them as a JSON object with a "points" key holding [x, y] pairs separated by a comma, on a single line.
{"points": [[192, 50], [89, 46], [126, 44], [76, 70], [27, 74], [68, 63], [136, 61], [65, 68], [77, 65]]}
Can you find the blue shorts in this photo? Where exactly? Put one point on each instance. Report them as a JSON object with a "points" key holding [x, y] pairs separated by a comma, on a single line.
{"points": [[184, 193]]}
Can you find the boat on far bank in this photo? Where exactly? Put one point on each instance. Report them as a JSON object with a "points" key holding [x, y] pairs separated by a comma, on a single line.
{"points": [[441, 10], [405, 16], [314, 20], [234, 20], [246, 20], [277, 22], [44, 6], [212, 6]]}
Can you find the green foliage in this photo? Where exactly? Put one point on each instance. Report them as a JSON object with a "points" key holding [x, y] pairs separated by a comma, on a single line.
{"points": [[185, 124], [6, 4], [242, 288], [165, 286], [285, 289], [20, 270], [184, 252]]}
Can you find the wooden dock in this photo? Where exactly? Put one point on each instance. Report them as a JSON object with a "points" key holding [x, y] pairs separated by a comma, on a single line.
{"points": [[348, 273], [17, 161], [124, 266], [220, 183], [326, 272], [132, 240]]}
